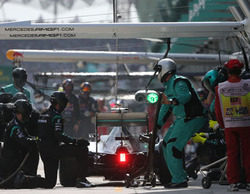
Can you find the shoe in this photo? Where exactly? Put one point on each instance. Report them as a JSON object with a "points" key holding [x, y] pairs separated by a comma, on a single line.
{"points": [[233, 187], [176, 185], [19, 180], [242, 186], [83, 183], [248, 186]]}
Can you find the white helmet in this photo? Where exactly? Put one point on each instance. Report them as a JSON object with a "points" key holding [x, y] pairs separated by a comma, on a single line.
{"points": [[167, 66]]}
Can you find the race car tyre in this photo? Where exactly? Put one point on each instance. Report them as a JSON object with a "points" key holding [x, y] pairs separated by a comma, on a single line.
{"points": [[192, 168], [160, 167], [153, 181], [68, 172], [206, 182]]}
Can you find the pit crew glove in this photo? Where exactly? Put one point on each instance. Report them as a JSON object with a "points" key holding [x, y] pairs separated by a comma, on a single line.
{"points": [[213, 125], [198, 138]]}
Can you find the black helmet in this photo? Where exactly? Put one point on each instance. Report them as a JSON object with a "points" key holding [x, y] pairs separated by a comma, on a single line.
{"points": [[6, 113], [5, 97], [68, 82], [23, 107], [19, 73], [18, 96], [85, 87], [59, 98], [20, 76]]}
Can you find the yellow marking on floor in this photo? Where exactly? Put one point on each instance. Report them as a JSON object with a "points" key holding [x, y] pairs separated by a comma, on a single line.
{"points": [[118, 189]]}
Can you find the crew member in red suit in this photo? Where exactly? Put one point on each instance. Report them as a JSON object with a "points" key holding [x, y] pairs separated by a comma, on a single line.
{"points": [[232, 107]]}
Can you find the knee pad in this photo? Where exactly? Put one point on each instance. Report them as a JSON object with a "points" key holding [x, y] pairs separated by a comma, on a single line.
{"points": [[176, 153], [171, 140]]}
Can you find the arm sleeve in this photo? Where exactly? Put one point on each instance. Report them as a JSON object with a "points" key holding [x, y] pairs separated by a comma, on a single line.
{"points": [[25, 141], [27, 93], [217, 108], [164, 110], [57, 123], [94, 106], [183, 94]]}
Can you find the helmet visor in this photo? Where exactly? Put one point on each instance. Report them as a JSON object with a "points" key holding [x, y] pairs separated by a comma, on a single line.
{"points": [[86, 89], [22, 77]]}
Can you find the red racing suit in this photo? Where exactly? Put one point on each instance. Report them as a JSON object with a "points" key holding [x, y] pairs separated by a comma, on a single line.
{"points": [[232, 108]]}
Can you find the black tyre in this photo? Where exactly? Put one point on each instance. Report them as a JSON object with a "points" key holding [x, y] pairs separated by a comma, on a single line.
{"points": [[153, 181], [160, 167], [68, 172], [206, 182], [192, 168], [214, 174]]}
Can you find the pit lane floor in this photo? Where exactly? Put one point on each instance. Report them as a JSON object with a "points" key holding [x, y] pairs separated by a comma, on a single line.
{"points": [[107, 187]]}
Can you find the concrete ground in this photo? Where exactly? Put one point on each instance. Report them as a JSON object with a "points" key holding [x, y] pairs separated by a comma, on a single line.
{"points": [[104, 186]]}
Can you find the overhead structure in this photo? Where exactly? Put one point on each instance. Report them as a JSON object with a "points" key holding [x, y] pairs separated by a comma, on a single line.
{"points": [[109, 57], [27, 30], [102, 76], [237, 13], [245, 7]]}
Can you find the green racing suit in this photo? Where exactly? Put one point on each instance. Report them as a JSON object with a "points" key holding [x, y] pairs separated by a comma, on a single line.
{"points": [[12, 90], [188, 119]]}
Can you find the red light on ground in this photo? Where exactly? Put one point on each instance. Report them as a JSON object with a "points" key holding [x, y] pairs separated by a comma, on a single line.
{"points": [[122, 157]]}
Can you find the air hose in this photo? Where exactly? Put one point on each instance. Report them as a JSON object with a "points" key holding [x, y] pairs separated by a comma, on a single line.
{"points": [[16, 171], [246, 73], [156, 67]]}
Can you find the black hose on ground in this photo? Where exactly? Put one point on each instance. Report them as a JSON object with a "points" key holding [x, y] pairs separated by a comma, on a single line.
{"points": [[16, 171]]}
